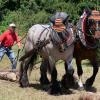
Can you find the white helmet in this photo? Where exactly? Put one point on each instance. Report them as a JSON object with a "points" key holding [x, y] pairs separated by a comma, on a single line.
{"points": [[12, 25]]}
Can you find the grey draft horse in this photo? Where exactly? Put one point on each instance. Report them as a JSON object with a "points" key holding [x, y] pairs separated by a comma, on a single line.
{"points": [[59, 47]]}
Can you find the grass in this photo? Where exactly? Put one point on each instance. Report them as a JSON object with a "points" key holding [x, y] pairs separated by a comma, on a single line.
{"points": [[12, 91]]}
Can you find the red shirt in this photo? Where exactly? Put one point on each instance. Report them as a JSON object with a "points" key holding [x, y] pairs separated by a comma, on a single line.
{"points": [[8, 38]]}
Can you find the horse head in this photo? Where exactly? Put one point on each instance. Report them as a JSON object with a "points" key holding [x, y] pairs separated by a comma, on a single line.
{"points": [[89, 30], [94, 22], [62, 33]]}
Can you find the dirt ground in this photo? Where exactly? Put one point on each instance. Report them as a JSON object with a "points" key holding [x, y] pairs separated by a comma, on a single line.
{"points": [[12, 91]]}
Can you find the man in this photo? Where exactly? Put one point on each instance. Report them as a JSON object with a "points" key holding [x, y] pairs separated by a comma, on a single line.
{"points": [[7, 40]]}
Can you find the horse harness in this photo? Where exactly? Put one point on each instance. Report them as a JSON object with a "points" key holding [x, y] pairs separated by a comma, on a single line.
{"points": [[62, 35]]}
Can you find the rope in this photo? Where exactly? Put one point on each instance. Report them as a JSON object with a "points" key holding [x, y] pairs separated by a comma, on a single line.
{"points": [[21, 39], [42, 32]]}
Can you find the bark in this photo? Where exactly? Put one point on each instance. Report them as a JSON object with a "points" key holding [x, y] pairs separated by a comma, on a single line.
{"points": [[10, 76]]}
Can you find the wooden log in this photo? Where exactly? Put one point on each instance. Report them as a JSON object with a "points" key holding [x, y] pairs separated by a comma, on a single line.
{"points": [[89, 96], [8, 75]]}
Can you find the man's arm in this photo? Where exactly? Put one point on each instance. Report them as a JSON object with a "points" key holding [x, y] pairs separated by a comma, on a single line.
{"points": [[18, 41]]}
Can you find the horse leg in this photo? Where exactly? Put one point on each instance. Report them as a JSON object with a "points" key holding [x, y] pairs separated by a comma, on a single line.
{"points": [[79, 72], [43, 70], [68, 66], [68, 80], [55, 87], [89, 81], [23, 73]]}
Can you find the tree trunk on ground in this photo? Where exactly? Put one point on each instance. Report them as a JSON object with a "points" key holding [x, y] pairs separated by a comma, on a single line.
{"points": [[10, 76]]}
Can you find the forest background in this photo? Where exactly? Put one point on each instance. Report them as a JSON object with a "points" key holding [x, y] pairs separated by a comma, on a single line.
{"points": [[25, 13]]}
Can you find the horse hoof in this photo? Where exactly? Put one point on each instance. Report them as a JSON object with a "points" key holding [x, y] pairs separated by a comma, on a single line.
{"points": [[24, 83], [69, 81], [64, 81], [89, 83], [44, 81], [55, 89], [54, 92]]}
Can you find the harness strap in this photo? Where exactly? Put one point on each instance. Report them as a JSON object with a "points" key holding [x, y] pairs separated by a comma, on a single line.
{"points": [[41, 34]]}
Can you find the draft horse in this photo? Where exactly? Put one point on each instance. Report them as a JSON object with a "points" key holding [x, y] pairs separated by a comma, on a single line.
{"points": [[86, 47], [60, 46]]}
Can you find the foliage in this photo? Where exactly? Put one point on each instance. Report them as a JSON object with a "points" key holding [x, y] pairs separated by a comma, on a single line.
{"points": [[25, 13], [86, 4]]}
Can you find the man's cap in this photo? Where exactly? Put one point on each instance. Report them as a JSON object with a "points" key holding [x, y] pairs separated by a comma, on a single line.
{"points": [[12, 25]]}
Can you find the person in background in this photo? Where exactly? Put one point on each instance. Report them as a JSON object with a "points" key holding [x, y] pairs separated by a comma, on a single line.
{"points": [[7, 40]]}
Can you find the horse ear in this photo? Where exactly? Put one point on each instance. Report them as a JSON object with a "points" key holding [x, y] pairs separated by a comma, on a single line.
{"points": [[69, 20], [52, 20], [65, 20]]}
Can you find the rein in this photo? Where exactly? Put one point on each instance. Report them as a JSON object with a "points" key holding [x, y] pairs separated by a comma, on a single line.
{"points": [[21, 39], [42, 32]]}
